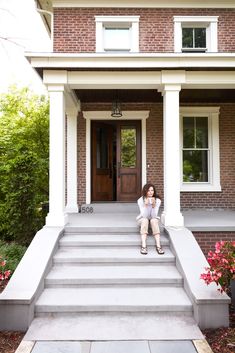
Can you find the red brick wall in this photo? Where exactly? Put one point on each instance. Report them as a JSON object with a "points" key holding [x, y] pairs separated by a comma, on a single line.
{"points": [[74, 28], [207, 240], [224, 199]]}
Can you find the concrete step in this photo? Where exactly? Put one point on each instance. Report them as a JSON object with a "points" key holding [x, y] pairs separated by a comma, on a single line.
{"points": [[73, 276], [80, 240], [111, 255], [114, 326], [113, 299]]}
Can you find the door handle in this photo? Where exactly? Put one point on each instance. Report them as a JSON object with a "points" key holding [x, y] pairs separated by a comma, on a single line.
{"points": [[110, 171], [119, 167]]}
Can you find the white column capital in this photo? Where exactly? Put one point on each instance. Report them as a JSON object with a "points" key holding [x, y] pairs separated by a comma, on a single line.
{"points": [[72, 111], [55, 88], [169, 87]]}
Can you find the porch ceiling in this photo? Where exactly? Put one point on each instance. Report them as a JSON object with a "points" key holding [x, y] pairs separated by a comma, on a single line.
{"points": [[153, 96]]}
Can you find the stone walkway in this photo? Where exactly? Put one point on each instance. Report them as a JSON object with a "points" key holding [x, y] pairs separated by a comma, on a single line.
{"points": [[195, 346]]}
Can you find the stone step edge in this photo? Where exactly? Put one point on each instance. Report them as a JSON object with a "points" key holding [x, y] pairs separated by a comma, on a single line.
{"points": [[112, 308]]}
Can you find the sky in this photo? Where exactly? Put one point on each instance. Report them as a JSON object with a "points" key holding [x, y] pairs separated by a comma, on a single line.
{"points": [[21, 30]]}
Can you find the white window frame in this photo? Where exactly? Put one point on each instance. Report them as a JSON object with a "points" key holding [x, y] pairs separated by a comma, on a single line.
{"points": [[209, 22], [118, 21], [213, 183]]}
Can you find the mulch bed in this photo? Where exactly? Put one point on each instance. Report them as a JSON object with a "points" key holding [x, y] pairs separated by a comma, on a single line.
{"points": [[221, 340]]}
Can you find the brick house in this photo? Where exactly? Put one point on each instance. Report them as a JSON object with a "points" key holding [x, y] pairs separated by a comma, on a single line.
{"points": [[170, 69], [139, 92]]}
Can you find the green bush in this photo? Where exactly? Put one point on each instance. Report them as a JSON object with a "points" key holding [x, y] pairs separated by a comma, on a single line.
{"points": [[24, 164], [12, 253]]}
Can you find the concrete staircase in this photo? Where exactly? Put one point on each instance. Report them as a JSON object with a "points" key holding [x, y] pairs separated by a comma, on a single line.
{"points": [[101, 288]]}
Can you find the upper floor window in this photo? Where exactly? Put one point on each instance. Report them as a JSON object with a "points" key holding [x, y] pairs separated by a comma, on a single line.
{"points": [[195, 33], [200, 149], [117, 33]]}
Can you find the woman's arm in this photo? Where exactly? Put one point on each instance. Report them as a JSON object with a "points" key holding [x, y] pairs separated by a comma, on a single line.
{"points": [[155, 210], [142, 207]]}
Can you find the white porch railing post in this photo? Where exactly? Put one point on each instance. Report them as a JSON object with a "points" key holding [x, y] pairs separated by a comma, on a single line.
{"points": [[171, 215], [72, 205], [57, 215]]}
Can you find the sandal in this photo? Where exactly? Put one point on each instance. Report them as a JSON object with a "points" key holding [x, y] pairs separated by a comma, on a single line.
{"points": [[159, 250], [143, 250]]}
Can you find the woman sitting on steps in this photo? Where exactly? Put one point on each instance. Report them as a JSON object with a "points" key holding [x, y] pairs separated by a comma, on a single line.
{"points": [[149, 204]]}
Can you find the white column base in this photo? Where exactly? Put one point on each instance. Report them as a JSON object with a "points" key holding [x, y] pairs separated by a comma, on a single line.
{"points": [[71, 209], [173, 219], [58, 220]]}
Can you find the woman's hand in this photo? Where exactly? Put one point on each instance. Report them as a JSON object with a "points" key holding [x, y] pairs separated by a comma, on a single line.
{"points": [[153, 202]]}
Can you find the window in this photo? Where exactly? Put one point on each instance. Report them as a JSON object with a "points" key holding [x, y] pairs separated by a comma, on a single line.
{"points": [[194, 39], [195, 33], [200, 149], [117, 33]]}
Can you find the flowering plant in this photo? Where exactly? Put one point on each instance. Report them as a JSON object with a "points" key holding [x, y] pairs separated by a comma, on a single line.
{"points": [[222, 265], [4, 274]]}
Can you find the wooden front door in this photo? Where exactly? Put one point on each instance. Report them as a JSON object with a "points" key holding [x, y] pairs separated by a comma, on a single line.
{"points": [[116, 161], [128, 161], [102, 162]]}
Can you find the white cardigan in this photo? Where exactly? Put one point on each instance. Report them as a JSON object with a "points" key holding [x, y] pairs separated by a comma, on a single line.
{"points": [[145, 211]]}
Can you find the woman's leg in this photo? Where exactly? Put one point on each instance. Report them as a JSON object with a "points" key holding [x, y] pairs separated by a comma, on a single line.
{"points": [[143, 222], [156, 233]]}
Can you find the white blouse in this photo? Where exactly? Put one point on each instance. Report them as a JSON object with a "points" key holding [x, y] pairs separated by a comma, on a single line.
{"points": [[149, 211]]}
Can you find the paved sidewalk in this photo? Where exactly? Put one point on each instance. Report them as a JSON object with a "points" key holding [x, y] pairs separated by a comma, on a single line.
{"points": [[185, 346]]}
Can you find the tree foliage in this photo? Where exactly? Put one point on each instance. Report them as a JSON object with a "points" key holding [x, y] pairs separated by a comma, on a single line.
{"points": [[24, 141]]}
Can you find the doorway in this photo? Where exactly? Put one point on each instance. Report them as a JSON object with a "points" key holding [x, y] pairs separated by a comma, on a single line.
{"points": [[115, 160]]}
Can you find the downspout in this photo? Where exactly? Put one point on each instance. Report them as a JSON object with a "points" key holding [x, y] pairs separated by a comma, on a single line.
{"points": [[52, 22]]}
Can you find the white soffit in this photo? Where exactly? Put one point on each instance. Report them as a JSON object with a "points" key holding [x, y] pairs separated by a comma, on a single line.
{"points": [[146, 3]]}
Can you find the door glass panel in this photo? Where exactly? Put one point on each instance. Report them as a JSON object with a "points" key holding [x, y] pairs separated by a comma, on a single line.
{"points": [[128, 147], [101, 148]]}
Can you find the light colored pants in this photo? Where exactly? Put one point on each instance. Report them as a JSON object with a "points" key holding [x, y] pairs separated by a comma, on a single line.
{"points": [[144, 224]]}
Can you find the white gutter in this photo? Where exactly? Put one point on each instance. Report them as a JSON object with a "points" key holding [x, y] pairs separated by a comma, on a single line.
{"points": [[52, 21]]}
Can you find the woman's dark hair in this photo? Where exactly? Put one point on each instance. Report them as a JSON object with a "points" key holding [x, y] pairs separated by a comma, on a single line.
{"points": [[146, 188]]}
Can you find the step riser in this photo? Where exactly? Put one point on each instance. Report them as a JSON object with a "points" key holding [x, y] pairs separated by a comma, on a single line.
{"points": [[102, 229], [102, 244], [117, 283], [112, 308], [95, 261]]}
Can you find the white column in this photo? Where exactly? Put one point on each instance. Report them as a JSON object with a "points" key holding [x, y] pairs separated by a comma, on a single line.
{"points": [[171, 215], [56, 215], [72, 206]]}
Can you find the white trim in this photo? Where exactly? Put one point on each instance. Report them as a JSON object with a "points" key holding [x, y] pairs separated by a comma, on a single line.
{"points": [[210, 22], [214, 160], [105, 115], [146, 3], [131, 60], [133, 23]]}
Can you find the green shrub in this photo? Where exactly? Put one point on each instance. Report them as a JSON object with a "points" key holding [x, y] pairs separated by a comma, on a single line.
{"points": [[24, 155], [12, 253]]}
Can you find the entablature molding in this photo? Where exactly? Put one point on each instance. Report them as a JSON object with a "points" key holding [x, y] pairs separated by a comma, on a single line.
{"points": [[139, 79], [146, 3]]}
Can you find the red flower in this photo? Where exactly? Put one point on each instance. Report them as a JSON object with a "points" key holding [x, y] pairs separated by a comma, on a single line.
{"points": [[222, 265]]}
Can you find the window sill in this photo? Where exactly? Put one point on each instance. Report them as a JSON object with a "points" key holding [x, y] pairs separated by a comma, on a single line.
{"points": [[203, 187]]}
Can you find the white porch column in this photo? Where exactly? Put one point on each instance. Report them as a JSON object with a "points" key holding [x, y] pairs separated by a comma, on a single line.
{"points": [[56, 215], [72, 206], [171, 215]]}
